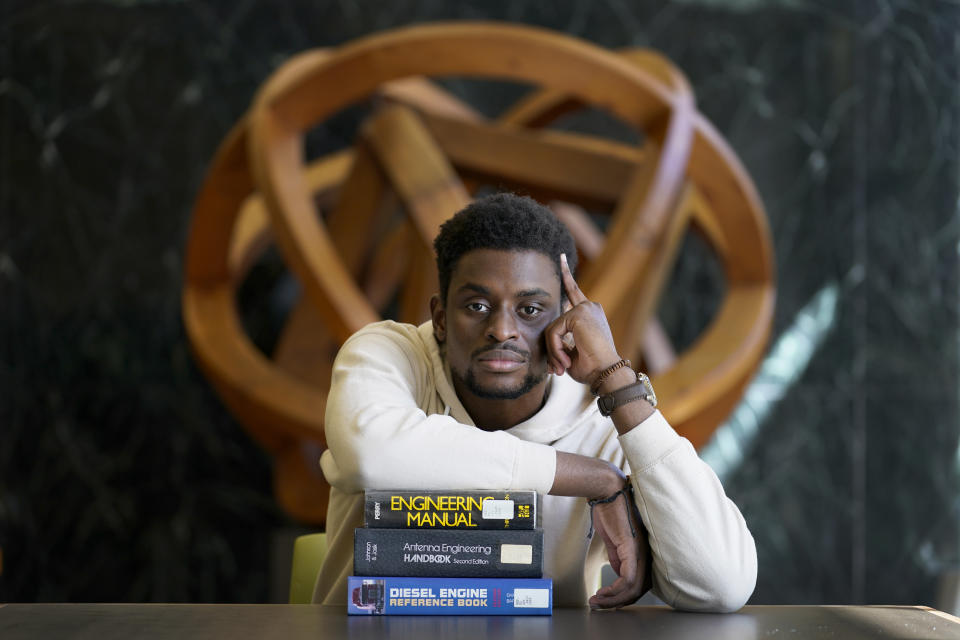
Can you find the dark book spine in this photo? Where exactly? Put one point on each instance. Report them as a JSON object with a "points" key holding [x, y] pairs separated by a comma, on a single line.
{"points": [[450, 509], [448, 553]]}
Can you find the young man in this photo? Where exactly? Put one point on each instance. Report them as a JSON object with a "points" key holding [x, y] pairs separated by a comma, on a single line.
{"points": [[495, 393]]}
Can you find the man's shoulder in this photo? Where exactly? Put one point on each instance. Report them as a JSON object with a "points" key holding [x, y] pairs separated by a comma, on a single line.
{"points": [[394, 355], [393, 336], [389, 329]]}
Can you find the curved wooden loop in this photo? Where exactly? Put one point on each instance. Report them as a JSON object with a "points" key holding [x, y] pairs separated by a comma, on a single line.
{"points": [[640, 224], [713, 167], [292, 102], [708, 379], [284, 413], [272, 404], [351, 263]]}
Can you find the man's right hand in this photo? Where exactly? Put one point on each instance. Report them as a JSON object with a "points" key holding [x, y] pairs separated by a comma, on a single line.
{"points": [[629, 556]]}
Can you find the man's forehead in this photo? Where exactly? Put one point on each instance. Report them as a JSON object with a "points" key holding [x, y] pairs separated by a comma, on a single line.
{"points": [[522, 272], [519, 293]]}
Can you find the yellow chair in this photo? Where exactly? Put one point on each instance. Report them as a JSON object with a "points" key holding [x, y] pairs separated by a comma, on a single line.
{"points": [[308, 554]]}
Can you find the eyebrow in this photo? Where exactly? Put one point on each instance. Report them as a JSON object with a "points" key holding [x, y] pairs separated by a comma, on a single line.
{"points": [[475, 287], [529, 293], [526, 293]]}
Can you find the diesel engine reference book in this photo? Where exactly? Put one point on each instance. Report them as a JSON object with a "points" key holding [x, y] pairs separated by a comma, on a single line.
{"points": [[441, 596], [449, 553], [450, 509]]}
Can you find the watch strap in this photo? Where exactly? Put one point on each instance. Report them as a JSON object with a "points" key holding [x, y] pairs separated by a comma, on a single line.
{"points": [[639, 390]]}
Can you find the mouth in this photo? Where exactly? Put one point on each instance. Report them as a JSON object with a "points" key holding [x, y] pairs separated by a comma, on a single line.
{"points": [[501, 361]]}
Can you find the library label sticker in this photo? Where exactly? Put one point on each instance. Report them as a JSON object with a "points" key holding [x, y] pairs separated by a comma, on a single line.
{"points": [[516, 554], [531, 598], [498, 509]]}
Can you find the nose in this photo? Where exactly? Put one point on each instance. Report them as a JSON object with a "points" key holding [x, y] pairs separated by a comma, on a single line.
{"points": [[501, 326]]}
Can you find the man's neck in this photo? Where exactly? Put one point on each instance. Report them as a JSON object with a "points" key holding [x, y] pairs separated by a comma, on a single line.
{"points": [[496, 415]]}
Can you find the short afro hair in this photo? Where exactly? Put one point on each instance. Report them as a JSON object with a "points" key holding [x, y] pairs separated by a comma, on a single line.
{"points": [[502, 221]]}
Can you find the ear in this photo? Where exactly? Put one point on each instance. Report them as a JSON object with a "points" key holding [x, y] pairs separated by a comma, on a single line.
{"points": [[439, 316]]}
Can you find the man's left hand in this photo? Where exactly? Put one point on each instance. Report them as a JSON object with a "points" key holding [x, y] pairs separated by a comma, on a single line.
{"points": [[579, 341]]}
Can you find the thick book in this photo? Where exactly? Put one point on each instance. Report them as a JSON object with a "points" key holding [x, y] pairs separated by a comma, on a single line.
{"points": [[385, 595], [450, 509], [448, 553]]}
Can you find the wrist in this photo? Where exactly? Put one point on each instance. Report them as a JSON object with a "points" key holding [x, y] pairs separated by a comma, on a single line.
{"points": [[600, 376], [628, 401], [585, 476], [619, 379], [613, 481]]}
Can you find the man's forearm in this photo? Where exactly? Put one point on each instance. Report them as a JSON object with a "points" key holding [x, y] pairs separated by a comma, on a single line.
{"points": [[628, 416], [585, 477]]}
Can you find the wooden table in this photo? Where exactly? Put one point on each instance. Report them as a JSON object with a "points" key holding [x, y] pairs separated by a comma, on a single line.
{"points": [[290, 622]]}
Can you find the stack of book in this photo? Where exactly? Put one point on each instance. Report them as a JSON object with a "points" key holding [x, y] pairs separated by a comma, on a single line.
{"points": [[460, 552]]}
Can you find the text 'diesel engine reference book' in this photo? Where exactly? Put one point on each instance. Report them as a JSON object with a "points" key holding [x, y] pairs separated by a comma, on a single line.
{"points": [[448, 553], [383, 595], [450, 509]]}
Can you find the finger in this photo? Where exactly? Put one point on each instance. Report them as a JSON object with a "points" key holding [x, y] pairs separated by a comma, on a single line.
{"points": [[618, 594], [556, 366], [622, 600], [628, 563], [624, 590], [558, 356], [554, 339], [614, 562], [613, 557], [614, 590], [614, 593], [569, 284]]}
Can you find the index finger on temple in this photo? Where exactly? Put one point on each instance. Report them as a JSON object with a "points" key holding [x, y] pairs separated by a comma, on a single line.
{"points": [[573, 289]]}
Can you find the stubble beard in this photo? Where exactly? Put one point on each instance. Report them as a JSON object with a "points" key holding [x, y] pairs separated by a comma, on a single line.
{"points": [[529, 382]]}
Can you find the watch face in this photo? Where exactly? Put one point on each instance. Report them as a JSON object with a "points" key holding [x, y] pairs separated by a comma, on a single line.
{"points": [[651, 396]]}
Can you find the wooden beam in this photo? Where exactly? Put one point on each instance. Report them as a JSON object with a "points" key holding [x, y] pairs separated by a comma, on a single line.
{"points": [[573, 166], [428, 187]]}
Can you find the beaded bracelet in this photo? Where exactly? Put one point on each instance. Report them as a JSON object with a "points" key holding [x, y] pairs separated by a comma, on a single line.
{"points": [[603, 375], [627, 492]]}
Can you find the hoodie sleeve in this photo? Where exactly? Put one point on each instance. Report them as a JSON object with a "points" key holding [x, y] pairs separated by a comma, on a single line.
{"points": [[704, 558], [379, 436]]}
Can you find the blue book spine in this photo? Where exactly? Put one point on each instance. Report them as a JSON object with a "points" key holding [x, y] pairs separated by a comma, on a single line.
{"points": [[368, 595]]}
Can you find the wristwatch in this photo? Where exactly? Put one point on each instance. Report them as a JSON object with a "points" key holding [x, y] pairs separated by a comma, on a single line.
{"points": [[639, 390]]}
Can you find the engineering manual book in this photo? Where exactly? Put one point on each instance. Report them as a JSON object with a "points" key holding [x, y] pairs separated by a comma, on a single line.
{"points": [[450, 509]]}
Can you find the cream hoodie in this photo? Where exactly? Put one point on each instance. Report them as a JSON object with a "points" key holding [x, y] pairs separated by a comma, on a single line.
{"points": [[394, 421]]}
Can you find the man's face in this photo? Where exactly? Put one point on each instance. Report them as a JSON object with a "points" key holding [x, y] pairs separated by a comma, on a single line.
{"points": [[498, 305]]}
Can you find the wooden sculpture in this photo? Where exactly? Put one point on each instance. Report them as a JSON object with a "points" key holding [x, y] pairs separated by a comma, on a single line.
{"points": [[423, 152]]}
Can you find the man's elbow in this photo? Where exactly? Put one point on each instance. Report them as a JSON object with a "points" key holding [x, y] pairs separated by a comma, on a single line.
{"points": [[723, 587], [734, 576], [350, 474], [734, 595]]}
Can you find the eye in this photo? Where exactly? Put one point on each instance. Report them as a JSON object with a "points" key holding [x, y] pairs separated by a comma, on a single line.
{"points": [[477, 307], [531, 311]]}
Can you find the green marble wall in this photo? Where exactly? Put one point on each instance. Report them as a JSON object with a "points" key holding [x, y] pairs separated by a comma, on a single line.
{"points": [[123, 479]]}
